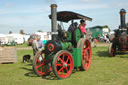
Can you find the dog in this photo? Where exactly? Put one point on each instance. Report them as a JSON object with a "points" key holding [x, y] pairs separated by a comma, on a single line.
{"points": [[26, 58]]}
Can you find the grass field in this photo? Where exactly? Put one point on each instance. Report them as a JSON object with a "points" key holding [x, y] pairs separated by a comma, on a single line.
{"points": [[104, 70], [23, 45]]}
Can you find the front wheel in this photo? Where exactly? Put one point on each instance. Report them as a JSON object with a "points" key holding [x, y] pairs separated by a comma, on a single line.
{"points": [[40, 66], [62, 64]]}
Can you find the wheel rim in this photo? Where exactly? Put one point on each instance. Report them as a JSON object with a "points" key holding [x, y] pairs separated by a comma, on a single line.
{"points": [[64, 65], [86, 54], [40, 65]]}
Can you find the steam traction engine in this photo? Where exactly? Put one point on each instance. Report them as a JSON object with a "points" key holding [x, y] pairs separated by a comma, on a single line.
{"points": [[66, 50], [120, 41]]}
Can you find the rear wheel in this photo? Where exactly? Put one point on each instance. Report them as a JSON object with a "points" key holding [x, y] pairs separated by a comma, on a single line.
{"points": [[62, 64], [40, 66], [85, 46]]}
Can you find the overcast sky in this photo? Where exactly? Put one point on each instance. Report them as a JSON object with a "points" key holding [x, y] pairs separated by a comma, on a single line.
{"points": [[32, 15]]}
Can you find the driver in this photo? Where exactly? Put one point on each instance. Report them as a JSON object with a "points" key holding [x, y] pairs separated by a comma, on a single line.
{"points": [[72, 27]]}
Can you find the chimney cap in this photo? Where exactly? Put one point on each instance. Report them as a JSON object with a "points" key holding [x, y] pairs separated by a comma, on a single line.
{"points": [[122, 10], [53, 5]]}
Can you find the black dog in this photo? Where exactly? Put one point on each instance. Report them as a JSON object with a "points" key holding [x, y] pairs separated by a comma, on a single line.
{"points": [[26, 58]]}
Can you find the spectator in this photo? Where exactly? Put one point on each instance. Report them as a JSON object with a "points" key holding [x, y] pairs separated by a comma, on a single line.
{"points": [[99, 38], [82, 27], [90, 38], [37, 45]]}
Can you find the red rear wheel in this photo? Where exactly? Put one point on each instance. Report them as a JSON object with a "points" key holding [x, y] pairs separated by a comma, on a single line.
{"points": [[41, 67], [84, 44], [62, 64]]}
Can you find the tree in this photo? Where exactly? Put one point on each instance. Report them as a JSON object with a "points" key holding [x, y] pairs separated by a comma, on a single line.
{"points": [[10, 32], [39, 31], [22, 32]]}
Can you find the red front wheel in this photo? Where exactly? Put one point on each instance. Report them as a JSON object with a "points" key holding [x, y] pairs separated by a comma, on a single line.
{"points": [[62, 64], [40, 66]]}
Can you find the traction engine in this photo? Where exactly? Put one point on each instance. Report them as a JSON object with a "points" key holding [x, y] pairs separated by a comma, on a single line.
{"points": [[66, 51], [120, 41]]}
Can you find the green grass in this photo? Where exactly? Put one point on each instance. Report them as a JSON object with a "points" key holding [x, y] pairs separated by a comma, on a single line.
{"points": [[104, 70], [23, 45]]}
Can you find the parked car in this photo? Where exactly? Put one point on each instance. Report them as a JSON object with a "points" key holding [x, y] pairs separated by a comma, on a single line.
{"points": [[32, 37]]}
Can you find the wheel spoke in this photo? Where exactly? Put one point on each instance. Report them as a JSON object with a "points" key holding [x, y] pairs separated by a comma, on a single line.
{"points": [[39, 65], [38, 61], [66, 69], [60, 69], [83, 52], [59, 65], [67, 60], [87, 48], [62, 72], [61, 60], [68, 64]]}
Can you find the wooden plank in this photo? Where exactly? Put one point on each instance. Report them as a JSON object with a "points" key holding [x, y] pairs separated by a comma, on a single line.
{"points": [[8, 55]]}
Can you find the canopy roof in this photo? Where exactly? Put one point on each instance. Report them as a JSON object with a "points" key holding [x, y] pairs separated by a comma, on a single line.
{"points": [[65, 16]]}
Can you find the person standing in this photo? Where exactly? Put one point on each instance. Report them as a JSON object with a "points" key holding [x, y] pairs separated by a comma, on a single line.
{"points": [[37, 45], [82, 27]]}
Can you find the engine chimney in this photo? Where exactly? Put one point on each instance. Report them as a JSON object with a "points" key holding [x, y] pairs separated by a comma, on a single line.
{"points": [[122, 18], [53, 21]]}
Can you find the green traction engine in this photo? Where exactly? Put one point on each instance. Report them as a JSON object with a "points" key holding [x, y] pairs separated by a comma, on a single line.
{"points": [[66, 51]]}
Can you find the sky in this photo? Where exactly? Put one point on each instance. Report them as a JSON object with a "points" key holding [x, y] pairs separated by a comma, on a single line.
{"points": [[32, 15]]}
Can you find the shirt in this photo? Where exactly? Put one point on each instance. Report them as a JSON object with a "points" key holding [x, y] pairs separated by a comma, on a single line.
{"points": [[40, 44], [82, 29]]}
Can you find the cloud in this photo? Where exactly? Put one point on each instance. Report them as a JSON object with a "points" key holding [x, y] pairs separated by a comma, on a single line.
{"points": [[77, 7], [50, 1], [9, 5], [118, 4], [12, 8], [23, 11], [88, 1]]}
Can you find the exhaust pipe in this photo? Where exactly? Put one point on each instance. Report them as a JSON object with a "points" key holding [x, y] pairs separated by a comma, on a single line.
{"points": [[53, 21], [122, 18]]}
